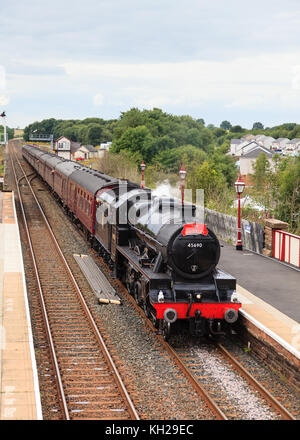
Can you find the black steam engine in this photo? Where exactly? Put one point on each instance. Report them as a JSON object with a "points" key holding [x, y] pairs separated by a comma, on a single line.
{"points": [[166, 258]]}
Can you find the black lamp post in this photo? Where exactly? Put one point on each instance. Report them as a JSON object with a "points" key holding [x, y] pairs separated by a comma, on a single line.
{"points": [[239, 188]]}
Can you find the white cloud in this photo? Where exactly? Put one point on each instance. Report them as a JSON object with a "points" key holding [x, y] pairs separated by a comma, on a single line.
{"points": [[98, 99], [245, 82], [2, 78], [4, 100]]}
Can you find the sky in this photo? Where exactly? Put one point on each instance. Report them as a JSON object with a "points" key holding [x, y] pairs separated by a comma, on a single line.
{"points": [[216, 60]]}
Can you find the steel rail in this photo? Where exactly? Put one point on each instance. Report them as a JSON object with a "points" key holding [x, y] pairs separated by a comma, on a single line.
{"points": [[95, 329], [58, 378], [196, 384], [210, 402], [260, 388], [200, 389]]}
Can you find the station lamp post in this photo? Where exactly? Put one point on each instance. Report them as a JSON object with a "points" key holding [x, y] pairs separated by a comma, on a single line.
{"points": [[182, 174], [143, 166], [239, 188]]}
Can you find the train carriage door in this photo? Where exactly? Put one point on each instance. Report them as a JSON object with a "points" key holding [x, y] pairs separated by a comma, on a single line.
{"points": [[103, 226], [113, 241], [75, 200], [106, 226]]}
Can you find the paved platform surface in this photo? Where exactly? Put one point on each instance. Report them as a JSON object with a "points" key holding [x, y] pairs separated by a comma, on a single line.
{"points": [[269, 292], [19, 398]]}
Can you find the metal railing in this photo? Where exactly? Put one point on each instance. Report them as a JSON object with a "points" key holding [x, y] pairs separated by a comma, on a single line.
{"points": [[286, 247]]}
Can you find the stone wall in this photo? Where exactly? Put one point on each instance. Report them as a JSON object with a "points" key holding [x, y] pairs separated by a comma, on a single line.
{"points": [[225, 227], [271, 225], [277, 358]]}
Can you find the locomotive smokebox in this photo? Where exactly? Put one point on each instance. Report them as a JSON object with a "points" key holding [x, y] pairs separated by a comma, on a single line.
{"points": [[194, 251]]}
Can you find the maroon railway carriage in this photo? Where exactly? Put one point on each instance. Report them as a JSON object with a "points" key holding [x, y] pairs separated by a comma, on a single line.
{"points": [[83, 185], [62, 186]]}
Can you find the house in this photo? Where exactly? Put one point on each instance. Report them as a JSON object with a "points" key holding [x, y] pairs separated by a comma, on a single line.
{"points": [[291, 147], [247, 137], [279, 144], [234, 145], [74, 147], [103, 149], [248, 159], [264, 141], [84, 152], [63, 147], [245, 146]]}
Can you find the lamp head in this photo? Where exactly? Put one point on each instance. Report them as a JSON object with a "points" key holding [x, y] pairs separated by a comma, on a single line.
{"points": [[182, 172], [239, 185]]}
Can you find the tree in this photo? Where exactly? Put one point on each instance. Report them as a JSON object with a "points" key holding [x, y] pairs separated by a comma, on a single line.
{"points": [[138, 141], [205, 177], [171, 160], [263, 182], [237, 129], [210, 126], [94, 134], [289, 193], [257, 126], [218, 132], [225, 125], [261, 168]]}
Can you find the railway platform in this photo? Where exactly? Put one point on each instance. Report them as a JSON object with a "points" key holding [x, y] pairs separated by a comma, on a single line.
{"points": [[19, 398], [270, 293]]}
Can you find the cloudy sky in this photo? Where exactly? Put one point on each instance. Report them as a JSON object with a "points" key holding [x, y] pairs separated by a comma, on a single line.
{"points": [[215, 60]]}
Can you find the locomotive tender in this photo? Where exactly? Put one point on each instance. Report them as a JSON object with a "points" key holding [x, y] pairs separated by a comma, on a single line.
{"points": [[153, 245]]}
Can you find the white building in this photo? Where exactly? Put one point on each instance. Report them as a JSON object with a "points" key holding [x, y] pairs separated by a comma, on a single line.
{"points": [[264, 141], [291, 147], [234, 143], [279, 144], [103, 149], [63, 147], [245, 146], [84, 152], [249, 158]]}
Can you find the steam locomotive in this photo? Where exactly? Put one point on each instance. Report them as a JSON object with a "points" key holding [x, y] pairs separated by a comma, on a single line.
{"points": [[154, 245]]}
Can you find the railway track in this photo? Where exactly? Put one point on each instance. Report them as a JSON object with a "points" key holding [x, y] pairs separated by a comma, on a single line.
{"points": [[206, 388], [188, 362], [230, 395], [88, 383]]}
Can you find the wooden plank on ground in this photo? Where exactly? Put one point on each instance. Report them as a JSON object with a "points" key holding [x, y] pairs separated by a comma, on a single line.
{"points": [[97, 280]]}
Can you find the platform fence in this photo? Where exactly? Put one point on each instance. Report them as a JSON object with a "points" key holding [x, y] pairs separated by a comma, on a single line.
{"points": [[286, 247]]}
